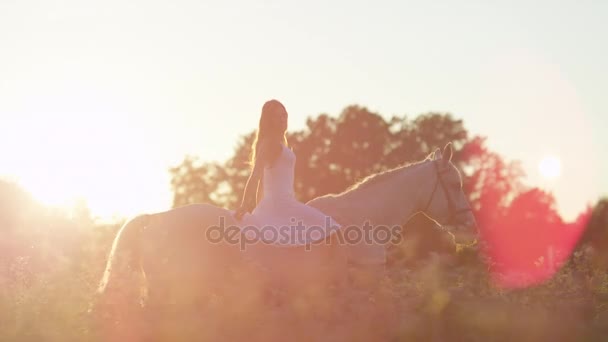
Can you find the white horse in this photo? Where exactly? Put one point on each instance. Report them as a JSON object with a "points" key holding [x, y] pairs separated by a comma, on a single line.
{"points": [[172, 257], [432, 186]]}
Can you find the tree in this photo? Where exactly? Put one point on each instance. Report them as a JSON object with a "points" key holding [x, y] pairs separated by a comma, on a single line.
{"points": [[595, 233], [195, 181], [490, 181]]}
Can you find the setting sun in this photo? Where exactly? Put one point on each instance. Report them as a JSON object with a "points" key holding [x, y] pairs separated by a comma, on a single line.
{"points": [[550, 167]]}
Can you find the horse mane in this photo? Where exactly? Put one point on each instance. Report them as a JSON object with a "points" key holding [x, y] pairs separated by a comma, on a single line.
{"points": [[383, 175]]}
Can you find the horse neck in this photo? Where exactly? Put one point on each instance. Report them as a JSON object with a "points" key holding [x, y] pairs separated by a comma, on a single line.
{"points": [[395, 200]]}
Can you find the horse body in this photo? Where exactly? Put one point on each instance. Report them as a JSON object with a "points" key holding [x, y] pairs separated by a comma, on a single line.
{"points": [[174, 254], [179, 264], [179, 261], [382, 205]]}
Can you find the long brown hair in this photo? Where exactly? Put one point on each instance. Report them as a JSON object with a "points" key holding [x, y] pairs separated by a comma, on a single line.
{"points": [[269, 130]]}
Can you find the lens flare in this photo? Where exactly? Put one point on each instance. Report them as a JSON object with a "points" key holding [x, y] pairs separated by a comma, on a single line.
{"points": [[550, 167]]}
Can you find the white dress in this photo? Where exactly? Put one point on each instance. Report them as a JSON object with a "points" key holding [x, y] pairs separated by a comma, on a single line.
{"points": [[280, 218]]}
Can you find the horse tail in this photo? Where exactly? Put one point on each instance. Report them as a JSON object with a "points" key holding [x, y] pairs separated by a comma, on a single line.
{"points": [[123, 281]]}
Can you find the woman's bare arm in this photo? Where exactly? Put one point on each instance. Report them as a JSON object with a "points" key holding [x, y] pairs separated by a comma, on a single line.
{"points": [[260, 192], [252, 185]]}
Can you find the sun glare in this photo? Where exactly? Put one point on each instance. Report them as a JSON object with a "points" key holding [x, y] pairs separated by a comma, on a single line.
{"points": [[549, 167], [112, 168]]}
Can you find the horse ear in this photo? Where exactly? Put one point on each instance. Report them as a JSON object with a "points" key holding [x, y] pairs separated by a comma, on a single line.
{"points": [[448, 152]]}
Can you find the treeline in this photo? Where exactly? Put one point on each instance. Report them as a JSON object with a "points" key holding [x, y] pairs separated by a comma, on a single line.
{"points": [[51, 260]]}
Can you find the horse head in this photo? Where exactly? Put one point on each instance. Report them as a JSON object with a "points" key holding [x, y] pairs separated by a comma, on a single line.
{"points": [[446, 202]]}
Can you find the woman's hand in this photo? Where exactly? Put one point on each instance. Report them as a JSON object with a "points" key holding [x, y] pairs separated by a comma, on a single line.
{"points": [[240, 211]]}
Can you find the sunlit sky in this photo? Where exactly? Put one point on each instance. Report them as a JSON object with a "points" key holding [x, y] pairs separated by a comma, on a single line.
{"points": [[99, 99]]}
